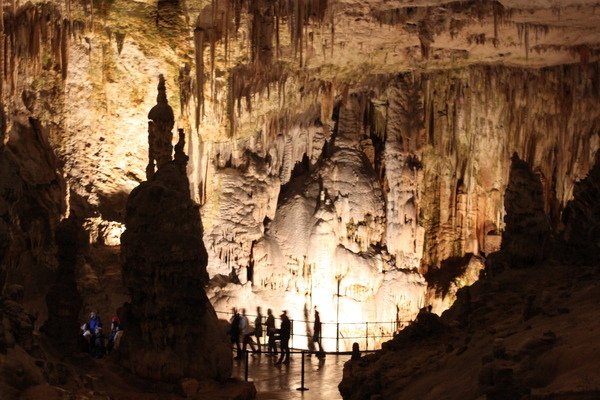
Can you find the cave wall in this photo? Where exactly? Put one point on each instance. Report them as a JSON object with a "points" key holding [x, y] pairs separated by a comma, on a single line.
{"points": [[33, 194], [433, 152], [306, 124]]}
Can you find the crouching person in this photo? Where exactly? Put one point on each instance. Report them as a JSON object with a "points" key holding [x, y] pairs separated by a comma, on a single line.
{"points": [[89, 332]]}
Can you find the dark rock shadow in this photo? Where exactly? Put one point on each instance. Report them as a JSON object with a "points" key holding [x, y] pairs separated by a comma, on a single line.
{"points": [[581, 219], [526, 239]]}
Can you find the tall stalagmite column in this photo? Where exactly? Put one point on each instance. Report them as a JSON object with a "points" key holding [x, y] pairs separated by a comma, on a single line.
{"points": [[172, 329]]}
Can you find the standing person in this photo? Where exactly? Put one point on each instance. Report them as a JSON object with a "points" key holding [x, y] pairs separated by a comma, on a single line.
{"points": [[99, 350], [234, 332], [258, 330], [271, 347], [317, 334], [247, 332], [114, 337], [284, 333]]}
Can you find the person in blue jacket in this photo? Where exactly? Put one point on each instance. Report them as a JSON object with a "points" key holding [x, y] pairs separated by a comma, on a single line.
{"points": [[89, 330]]}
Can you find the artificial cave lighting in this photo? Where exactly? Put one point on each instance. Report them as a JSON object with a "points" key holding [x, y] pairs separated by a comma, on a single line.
{"points": [[423, 173]]}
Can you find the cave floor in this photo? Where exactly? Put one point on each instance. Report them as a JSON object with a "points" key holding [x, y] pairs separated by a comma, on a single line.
{"points": [[279, 382]]}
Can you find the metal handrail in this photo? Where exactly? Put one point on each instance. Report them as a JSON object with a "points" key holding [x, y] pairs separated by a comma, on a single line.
{"points": [[326, 323], [374, 331]]}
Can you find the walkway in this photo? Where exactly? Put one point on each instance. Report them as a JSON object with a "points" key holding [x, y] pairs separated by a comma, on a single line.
{"points": [[279, 382]]}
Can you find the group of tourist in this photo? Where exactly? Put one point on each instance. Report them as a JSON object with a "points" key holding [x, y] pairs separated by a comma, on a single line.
{"points": [[94, 340], [242, 334]]}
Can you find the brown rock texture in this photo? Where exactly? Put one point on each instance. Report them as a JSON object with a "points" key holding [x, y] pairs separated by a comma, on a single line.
{"points": [[32, 201], [172, 329], [526, 238], [63, 299], [582, 218], [522, 333]]}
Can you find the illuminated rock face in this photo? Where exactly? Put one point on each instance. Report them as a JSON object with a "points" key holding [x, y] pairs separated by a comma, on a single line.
{"points": [[407, 179], [327, 168]]}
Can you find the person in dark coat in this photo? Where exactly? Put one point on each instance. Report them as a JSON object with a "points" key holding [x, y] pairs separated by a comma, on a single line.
{"points": [[285, 331], [258, 329], [317, 334], [234, 332], [271, 346]]}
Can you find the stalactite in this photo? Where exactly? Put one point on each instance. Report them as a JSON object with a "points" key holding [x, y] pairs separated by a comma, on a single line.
{"points": [[523, 32], [199, 51], [29, 33], [425, 38], [212, 44], [497, 11], [277, 38], [226, 33], [64, 49], [261, 32], [300, 31], [120, 39], [237, 16], [332, 33]]}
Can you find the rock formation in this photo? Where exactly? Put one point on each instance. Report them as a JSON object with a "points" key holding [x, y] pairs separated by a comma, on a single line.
{"points": [[63, 299], [160, 135], [522, 333], [32, 201], [172, 329], [582, 219], [343, 152], [526, 238]]}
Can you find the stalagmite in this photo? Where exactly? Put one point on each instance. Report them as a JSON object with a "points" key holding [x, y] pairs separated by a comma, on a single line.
{"points": [[160, 135]]}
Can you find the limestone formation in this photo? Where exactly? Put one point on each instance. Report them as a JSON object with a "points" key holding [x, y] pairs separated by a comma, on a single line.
{"points": [[172, 329], [160, 135], [526, 238], [439, 146], [482, 347], [582, 219], [343, 152], [32, 201], [63, 299]]}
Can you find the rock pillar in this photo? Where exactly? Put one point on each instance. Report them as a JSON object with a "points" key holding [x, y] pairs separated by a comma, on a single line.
{"points": [[160, 135], [172, 330]]}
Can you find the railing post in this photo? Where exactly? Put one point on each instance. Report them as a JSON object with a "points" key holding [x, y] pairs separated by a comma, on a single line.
{"points": [[302, 388], [337, 337], [292, 332], [246, 372], [367, 336]]}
